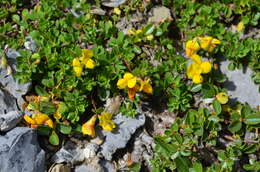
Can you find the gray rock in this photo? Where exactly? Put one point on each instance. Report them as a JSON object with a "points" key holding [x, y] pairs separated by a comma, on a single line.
{"points": [[7, 102], [93, 165], [20, 151], [108, 166], [113, 3], [118, 138], [70, 153], [159, 14], [30, 44], [240, 85], [9, 83], [10, 120]]}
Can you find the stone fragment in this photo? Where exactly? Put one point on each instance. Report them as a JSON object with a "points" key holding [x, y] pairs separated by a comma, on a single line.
{"points": [[91, 166], [112, 3], [59, 168], [240, 85], [159, 14], [118, 138], [9, 120], [20, 151]]}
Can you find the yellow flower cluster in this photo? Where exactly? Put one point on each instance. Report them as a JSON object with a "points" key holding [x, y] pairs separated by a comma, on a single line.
{"points": [[134, 84], [222, 97], [85, 60], [207, 43], [199, 67], [38, 119], [105, 121]]}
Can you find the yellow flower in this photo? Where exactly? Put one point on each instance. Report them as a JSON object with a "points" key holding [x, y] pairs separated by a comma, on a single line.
{"points": [[205, 66], [208, 43], [88, 128], [29, 120], [117, 11], [196, 58], [87, 53], [86, 58], [192, 46], [129, 80], [38, 119], [77, 67], [105, 121], [197, 79], [222, 98], [146, 86], [193, 69], [240, 26], [149, 37]]}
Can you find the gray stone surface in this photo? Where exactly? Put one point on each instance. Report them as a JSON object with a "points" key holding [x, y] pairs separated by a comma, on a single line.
{"points": [[8, 82], [112, 3], [159, 14], [10, 120], [118, 138], [7, 102], [70, 153], [20, 151], [30, 44], [240, 85]]}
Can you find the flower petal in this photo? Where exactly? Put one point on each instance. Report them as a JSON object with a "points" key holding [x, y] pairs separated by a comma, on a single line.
{"points": [[131, 83], [40, 118], [78, 71], [87, 53], [128, 76], [121, 83], [222, 98], [29, 120], [50, 124], [206, 67], [88, 128], [197, 79], [90, 64]]}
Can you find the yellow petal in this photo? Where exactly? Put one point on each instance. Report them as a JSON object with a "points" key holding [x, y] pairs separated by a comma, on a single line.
{"points": [[78, 71], [90, 64], [88, 128], [87, 53], [117, 11], [206, 67], [222, 97], [240, 26], [121, 83], [50, 124], [197, 79], [147, 87], [57, 115], [76, 62], [128, 76], [131, 83], [40, 118], [196, 58], [191, 47], [29, 120], [216, 41], [105, 121]]}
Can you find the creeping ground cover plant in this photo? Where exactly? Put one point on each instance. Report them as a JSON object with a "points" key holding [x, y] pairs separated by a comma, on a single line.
{"points": [[84, 54]]}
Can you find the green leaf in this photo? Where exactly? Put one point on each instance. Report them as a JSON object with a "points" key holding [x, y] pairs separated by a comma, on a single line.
{"points": [[196, 88], [54, 138], [182, 164], [217, 107], [235, 126], [16, 18], [40, 91], [149, 29], [44, 130], [231, 66], [197, 167], [65, 129], [252, 119]]}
